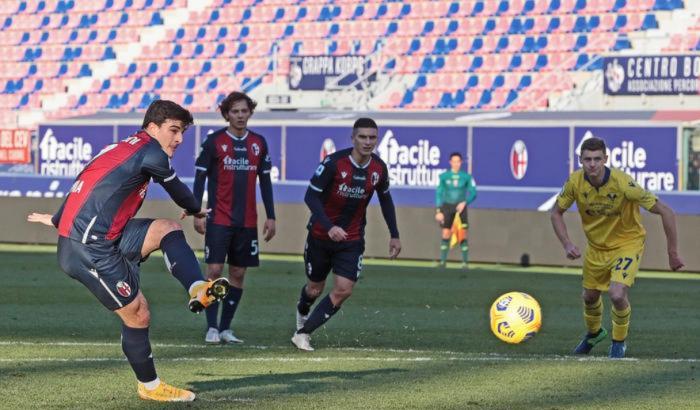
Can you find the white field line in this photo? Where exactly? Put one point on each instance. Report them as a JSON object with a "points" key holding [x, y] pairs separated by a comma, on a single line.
{"points": [[422, 355]]}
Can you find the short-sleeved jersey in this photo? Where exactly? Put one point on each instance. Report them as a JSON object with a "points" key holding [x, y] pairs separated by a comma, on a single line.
{"points": [[610, 213], [232, 165], [346, 188], [455, 187], [111, 188]]}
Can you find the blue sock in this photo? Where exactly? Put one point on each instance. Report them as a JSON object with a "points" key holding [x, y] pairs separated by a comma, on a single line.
{"points": [[228, 308], [305, 302], [324, 311], [180, 259], [137, 349], [212, 312]]}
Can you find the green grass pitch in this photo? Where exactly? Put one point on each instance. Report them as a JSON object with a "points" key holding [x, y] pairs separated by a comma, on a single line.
{"points": [[411, 336]]}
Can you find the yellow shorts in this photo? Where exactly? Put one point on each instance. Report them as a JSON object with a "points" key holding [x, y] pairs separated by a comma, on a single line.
{"points": [[617, 265]]}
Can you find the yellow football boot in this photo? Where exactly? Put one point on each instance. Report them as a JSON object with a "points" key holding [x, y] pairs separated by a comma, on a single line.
{"points": [[165, 392], [206, 293]]}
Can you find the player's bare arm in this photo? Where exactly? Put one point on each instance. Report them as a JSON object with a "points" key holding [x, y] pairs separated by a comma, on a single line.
{"points": [[394, 247], [461, 206], [269, 229], [557, 217], [40, 218], [668, 220]]}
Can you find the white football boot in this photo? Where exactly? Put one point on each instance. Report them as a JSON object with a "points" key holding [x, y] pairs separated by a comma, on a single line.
{"points": [[302, 341], [212, 336], [227, 336]]}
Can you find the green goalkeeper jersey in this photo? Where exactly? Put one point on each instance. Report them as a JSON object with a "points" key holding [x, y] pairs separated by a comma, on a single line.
{"points": [[455, 187]]}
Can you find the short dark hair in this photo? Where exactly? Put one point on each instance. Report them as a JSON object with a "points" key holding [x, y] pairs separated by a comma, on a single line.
{"points": [[233, 98], [161, 110], [365, 122], [456, 154], [593, 144]]}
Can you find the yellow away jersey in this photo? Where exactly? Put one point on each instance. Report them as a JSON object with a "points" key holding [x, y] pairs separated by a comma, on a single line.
{"points": [[610, 213]]}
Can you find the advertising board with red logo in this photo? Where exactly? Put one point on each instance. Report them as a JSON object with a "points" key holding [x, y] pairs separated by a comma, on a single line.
{"points": [[15, 146], [520, 156]]}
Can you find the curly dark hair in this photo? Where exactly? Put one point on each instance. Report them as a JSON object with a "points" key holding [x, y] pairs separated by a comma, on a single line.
{"points": [[234, 97]]}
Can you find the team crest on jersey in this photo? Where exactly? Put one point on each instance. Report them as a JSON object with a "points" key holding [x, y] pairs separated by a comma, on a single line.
{"points": [[256, 149], [223, 147], [375, 178], [123, 289], [343, 174]]}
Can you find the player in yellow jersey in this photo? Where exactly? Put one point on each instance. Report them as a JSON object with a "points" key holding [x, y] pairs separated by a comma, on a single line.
{"points": [[608, 201]]}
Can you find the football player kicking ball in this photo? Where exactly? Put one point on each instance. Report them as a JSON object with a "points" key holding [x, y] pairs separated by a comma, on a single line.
{"points": [[337, 196], [608, 201], [101, 245]]}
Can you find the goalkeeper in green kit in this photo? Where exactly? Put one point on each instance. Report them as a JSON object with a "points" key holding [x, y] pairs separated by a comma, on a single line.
{"points": [[455, 191]]}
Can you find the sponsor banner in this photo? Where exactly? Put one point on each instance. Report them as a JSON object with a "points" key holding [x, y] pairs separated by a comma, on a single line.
{"points": [[15, 146], [415, 156], [319, 72], [64, 150], [183, 159], [652, 75], [648, 154], [520, 156], [273, 136]]}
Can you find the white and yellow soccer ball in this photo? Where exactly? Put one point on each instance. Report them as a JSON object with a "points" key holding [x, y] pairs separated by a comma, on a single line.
{"points": [[515, 317]]}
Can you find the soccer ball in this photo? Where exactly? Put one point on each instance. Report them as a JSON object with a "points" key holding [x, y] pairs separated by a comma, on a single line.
{"points": [[515, 317]]}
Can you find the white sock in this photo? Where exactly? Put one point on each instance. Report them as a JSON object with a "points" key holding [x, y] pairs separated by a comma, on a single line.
{"points": [[152, 385], [194, 284]]}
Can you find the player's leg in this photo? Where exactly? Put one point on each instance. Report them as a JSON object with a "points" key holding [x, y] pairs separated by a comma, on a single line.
{"points": [[214, 271], [448, 211], [244, 252], [595, 279], [317, 265], [625, 265], [464, 244], [137, 348], [217, 240], [167, 235], [347, 266]]}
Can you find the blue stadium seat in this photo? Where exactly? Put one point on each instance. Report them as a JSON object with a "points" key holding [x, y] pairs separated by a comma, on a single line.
{"points": [[446, 101], [451, 45], [580, 5], [477, 44], [485, 98], [421, 81], [405, 10], [407, 98], [490, 26], [213, 17], [528, 45], [391, 29], [177, 50], [541, 62], [245, 31], [138, 83], [301, 13], [174, 67], [191, 83], [440, 47], [593, 23], [472, 82], [454, 8], [23, 101], [439, 63], [581, 42], [198, 50], [132, 69], [541, 43], [158, 84], [498, 82], [428, 27], [381, 11], [619, 4], [239, 67], [109, 54], [512, 96], [525, 81], [650, 22], [288, 31], [38, 85], [414, 46], [622, 43], [32, 70], [528, 6], [201, 32], [620, 22], [333, 30], [359, 11], [8, 23], [206, 67], [516, 26], [332, 47], [279, 14], [247, 14], [528, 24], [213, 84], [459, 98], [82, 100], [580, 25], [476, 63], [426, 66], [188, 99], [554, 6], [581, 61], [554, 24], [502, 7], [452, 26], [242, 48], [85, 71], [502, 44], [478, 8]]}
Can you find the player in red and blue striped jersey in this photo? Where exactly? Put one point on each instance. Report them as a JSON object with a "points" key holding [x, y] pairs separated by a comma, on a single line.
{"points": [[231, 160], [338, 194], [101, 244]]}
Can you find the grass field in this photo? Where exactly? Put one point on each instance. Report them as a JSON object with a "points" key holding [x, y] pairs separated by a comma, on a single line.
{"points": [[410, 337]]}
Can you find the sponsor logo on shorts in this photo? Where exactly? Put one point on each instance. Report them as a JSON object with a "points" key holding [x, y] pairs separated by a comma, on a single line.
{"points": [[123, 289]]}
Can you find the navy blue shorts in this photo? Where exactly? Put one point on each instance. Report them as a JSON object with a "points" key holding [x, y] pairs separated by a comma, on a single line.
{"points": [[450, 211], [109, 269], [238, 246], [322, 256]]}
